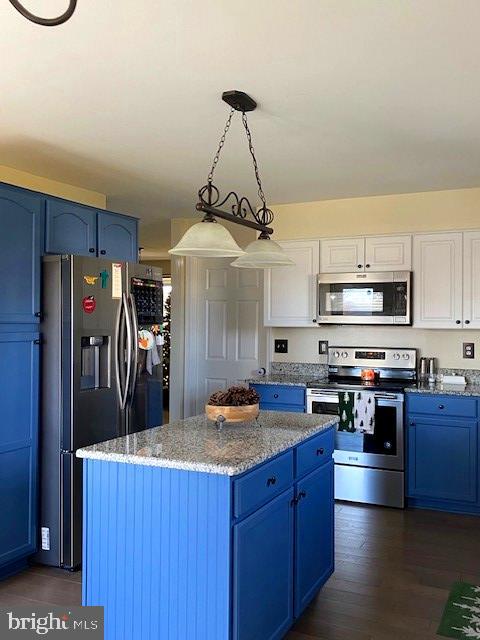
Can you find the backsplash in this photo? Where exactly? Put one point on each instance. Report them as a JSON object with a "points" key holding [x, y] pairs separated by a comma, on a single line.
{"points": [[299, 369], [443, 344]]}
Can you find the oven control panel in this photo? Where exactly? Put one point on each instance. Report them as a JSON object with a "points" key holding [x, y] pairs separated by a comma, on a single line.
{"points": [[372, 357]]}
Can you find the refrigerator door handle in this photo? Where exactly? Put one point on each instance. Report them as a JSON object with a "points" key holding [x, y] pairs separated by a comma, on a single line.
{"points": [[118, 351], [128, 324], [134, 321]]}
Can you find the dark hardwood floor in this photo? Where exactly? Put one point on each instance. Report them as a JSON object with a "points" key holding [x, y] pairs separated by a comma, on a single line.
{"points": [[393, 574]]}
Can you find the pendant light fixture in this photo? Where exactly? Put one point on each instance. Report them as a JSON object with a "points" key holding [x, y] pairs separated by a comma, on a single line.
{"points": [[205, 239], [45, 22]]}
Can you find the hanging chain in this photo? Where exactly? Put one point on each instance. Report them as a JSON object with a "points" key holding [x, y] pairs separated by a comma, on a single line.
{"points": [[255, 165], [220, 145]]}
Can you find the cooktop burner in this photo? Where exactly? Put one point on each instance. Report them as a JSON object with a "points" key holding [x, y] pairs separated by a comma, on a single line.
{"points": [[347, 384]]}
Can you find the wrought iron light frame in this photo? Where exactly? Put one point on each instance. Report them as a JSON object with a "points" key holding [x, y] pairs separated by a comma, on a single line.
{"points": [[45, 22], [241, 210]]}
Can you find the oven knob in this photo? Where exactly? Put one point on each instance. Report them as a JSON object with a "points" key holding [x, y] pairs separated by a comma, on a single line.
{"points": [[336, 354], [344, 354], [406, 356], [396, 356]]}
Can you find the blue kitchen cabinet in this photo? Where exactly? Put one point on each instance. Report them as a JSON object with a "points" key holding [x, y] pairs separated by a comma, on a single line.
{"points": [[314, 534], [21, 215], [117, 236], [443, 453], [278, 397], [70, 228], [263, 571], [19, 360]]}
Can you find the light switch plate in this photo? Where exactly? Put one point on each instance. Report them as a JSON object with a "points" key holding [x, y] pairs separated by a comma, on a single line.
{"points": [[281, 346], [322, 347]]}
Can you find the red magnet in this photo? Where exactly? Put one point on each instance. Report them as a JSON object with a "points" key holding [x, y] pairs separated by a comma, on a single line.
{"points": [[89, 303]]}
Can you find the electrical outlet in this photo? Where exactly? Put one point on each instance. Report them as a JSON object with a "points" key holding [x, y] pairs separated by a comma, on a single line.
{"points": [[281, 346], [322, 347], [469, 350]]}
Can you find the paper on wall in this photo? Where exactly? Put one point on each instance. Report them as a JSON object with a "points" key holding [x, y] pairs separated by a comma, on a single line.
{"points": [[116, 279]]}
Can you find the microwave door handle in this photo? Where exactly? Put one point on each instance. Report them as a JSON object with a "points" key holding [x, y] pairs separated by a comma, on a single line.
{"points": [[134, 354]]}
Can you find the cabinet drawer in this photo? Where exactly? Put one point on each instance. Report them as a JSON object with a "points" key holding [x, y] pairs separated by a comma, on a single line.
{"points": [[280, 394], [315, 452], [262, 484], [292, 408], [437, 405]]}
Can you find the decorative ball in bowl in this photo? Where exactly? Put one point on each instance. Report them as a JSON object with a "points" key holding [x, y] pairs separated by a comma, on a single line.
{"points": [[236, 404]]}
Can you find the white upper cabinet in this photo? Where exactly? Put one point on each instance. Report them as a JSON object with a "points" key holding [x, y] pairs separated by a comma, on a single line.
{"points": [[438, 280], [375, 253], [342, 255], [290, 292], [471, 280], [388, 253]]}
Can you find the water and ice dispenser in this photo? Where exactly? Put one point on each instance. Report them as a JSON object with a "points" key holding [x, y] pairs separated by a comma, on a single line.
{"points": [[95, 362]]}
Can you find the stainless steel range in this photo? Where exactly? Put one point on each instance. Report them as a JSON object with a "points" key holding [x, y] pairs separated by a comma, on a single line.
{"points": [[369, 445]]}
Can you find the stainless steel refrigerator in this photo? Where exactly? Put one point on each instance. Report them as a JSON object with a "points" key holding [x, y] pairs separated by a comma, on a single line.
{"points": [[97, 383]]}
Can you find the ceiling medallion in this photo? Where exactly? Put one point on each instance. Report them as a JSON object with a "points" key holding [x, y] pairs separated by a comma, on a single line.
{"points": [[45, 22], [206, 240]]}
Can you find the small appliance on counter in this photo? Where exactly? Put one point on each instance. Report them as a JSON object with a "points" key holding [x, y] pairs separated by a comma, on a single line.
{"points": [[365, 388]]}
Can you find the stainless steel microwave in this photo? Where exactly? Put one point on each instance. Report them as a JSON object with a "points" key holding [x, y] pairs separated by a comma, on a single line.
{"points": [[364, 298]]}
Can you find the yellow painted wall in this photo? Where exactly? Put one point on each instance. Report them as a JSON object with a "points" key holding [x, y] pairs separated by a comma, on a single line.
{"points": [[52, 187], [406, 212], [410, 212]]}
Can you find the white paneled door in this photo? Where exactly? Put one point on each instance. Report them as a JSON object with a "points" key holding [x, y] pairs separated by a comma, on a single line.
{"points": [[226, 339]]}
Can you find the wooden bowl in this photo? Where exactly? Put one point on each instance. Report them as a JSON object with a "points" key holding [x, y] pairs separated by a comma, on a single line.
{"points": [[233, 414]]}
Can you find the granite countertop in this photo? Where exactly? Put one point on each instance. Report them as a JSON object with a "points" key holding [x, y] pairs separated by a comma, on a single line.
{"points": [[446, 389], [291, 380], [196, 444]]}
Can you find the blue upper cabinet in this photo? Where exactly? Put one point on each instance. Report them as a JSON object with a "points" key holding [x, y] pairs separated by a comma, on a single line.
{"points": [[18, 445], [20, 249], [117, 237], [70, 228]]}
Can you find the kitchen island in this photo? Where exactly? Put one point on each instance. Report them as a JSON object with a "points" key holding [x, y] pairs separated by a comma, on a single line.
{"points": [[195, 532]]}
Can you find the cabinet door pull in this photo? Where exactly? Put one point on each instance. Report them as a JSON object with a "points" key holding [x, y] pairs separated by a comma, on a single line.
{"points": [[467, 321], [92, 250], [271, 481], [314, 320], [320, 451], [367, 266], [458, 322], [103, 252], [359, 266]]}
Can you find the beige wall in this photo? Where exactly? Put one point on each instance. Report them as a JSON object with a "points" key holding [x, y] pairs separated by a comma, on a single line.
{"points": [[164, 265], [428, 211], [411, 212], [52, 187]]}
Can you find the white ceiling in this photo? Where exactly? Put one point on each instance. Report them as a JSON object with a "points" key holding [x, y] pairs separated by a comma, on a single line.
{"points": [[357, 97]]}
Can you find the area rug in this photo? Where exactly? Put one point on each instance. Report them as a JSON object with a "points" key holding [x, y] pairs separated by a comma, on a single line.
{"points": [[461, 616]]}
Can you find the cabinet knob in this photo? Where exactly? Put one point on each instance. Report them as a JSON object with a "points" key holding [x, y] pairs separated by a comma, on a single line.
{"points": [[320, 451], [368, 266], [314, 320], [359, 266], [38, 314], [458, 322], [92, 250], [275, 395], [302, 494], [103, 252], [467, 321], [441, 406], [271, 481], [412, 423]]}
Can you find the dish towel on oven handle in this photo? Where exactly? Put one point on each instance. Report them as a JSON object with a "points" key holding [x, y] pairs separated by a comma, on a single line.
{"points": [[346, 402], [364, 411]]}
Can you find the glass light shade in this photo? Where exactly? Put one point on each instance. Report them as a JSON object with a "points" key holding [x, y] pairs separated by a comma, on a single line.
{"points": [[263, 254], [207, 240]]}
